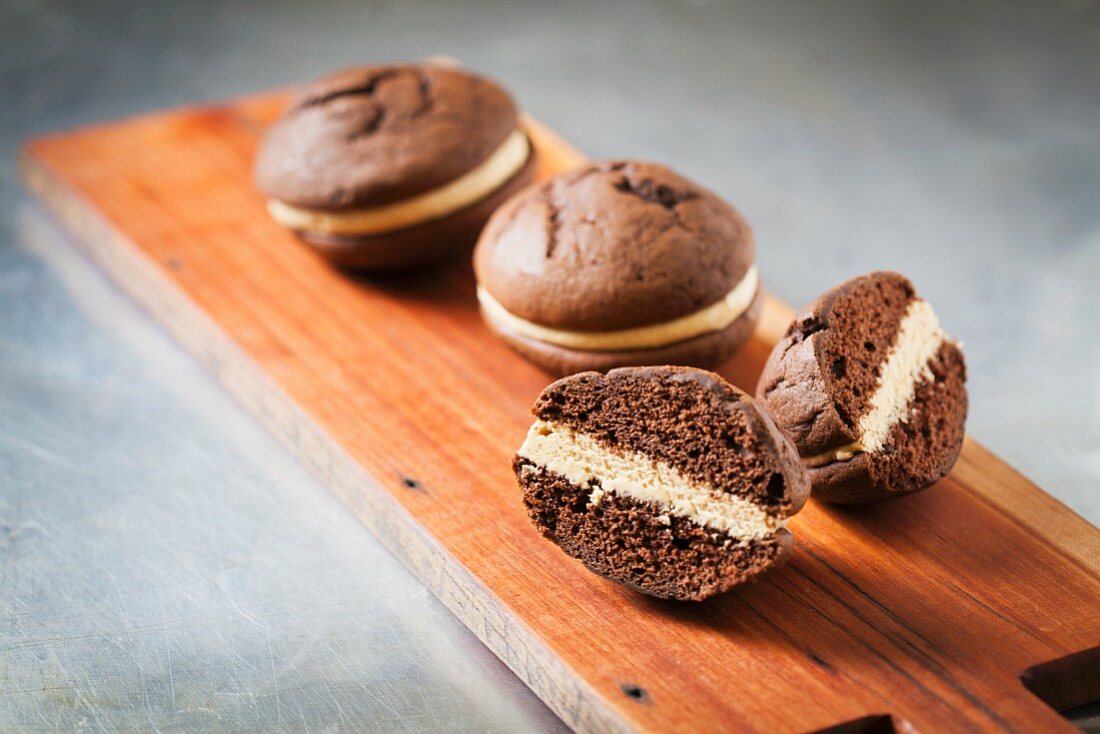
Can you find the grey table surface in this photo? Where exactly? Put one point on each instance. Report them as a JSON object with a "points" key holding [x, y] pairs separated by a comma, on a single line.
{"points": [[165, 565]]}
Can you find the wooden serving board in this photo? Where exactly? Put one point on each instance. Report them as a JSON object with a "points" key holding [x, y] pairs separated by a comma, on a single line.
{"points": [[926, 611]]}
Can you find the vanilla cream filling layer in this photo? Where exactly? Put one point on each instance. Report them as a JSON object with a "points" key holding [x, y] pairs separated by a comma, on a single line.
{"points": [[714, 317], [581, 459], [463, 191], [919, 338], [844, 453]]}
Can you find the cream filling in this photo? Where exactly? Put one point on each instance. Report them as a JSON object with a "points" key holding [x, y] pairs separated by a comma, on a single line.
{"points": [[714, 317], [919, 338], [463, 191], [844, 453], [581, 460]]}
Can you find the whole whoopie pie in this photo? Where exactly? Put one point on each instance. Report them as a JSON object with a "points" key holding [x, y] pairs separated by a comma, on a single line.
{"points": [[870, 389], [666, 479], [388, 167], [619, 263]]}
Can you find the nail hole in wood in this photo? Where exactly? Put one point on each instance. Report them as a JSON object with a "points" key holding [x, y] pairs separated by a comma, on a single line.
{"points": [[635, 692], [410, 483]]}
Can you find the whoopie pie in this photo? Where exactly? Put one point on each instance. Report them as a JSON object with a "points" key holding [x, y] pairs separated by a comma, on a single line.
{"points": [[870, 389], [618, 263], [390, 167], [666, 479]]}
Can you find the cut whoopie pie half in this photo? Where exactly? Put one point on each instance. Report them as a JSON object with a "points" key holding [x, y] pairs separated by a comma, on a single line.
{"points": [[389, 167], [870, 389], [619, 263], [666, 479]]}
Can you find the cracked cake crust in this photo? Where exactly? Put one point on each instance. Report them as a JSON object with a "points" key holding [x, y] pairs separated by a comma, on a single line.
{"points": [[614, 245], [371, 136]]}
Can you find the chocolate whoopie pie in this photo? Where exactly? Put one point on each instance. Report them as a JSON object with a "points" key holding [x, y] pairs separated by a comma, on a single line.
{"points": [[870, 389], [666, 479], [388, 167], [619, 263]]}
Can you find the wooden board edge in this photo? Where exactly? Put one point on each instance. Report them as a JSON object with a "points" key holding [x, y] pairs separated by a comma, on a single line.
{"points": [[1027, 504], [545, 139], [575, 700], [571, 698]]}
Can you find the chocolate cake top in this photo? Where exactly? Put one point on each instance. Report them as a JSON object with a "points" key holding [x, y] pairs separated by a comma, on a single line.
{"points": [[371, 136], [614, 245]]}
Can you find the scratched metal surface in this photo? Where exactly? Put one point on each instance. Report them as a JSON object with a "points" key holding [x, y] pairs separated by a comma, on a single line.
{"points": [[165, 566]]}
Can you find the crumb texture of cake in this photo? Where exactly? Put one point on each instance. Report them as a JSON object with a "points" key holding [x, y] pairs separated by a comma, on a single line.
{"points": [[870, 389], [584, 461], [668, 480]]}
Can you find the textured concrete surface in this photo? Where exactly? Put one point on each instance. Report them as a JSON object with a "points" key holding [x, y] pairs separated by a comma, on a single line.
{"points": [[164, 565]]}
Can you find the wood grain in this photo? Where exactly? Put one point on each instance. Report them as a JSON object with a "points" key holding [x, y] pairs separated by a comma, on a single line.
{"points": [[393, 393]]}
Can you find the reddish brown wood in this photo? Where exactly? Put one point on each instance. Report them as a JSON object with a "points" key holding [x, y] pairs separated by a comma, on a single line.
{"points": [[392, 391]]}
